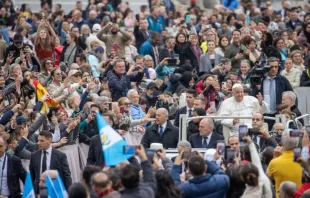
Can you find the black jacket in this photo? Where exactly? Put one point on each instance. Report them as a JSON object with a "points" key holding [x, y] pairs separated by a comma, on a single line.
{"points": [[196, 140], [295, 110], [263, 143], [305, 78], [15, 173], [59, 162], [282, 85], [188, 54], [140, 36], [169, 139], [182, 110], [192, 128]]}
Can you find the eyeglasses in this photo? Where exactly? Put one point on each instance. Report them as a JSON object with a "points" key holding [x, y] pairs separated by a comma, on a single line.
{"points": [[58, 74], [127, 104]]}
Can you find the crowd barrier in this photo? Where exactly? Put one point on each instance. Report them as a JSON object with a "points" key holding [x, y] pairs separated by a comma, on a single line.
{"points": [[303, 95]]}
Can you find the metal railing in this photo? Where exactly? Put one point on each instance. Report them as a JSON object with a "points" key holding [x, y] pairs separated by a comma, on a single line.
{"points": [[301, 117]]}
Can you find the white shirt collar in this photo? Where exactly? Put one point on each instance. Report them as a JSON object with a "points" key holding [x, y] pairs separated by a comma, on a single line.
{"points": [[49, 150], [164, 125], [268, 77], [3, 156], [209, 136]]}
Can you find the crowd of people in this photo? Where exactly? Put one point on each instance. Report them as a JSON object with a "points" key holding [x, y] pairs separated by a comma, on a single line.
{"points": [[142, 72]]}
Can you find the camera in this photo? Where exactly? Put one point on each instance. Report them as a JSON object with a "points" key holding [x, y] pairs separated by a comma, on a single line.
{"points": [[253, 131], [259, 70]]}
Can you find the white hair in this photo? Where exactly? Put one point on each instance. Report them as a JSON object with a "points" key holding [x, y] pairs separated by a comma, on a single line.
{"points": [[289, 143], [131, 91], [290, 94]]}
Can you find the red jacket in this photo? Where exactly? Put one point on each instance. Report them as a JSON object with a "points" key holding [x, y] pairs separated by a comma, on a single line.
{"points": [[210, 96], [58, 51], [302, 189]]}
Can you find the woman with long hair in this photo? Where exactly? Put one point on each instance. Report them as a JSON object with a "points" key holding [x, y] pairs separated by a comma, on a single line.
{"points": [[180, 42], [210, 59], [45, 41], [304, 36], [223, 43], [165, 186], [45, 74], [297, 58], [279, 44], [70, 50]]}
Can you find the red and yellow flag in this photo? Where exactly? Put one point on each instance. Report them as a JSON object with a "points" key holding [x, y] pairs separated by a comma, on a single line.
{"points": [[40, 91]]}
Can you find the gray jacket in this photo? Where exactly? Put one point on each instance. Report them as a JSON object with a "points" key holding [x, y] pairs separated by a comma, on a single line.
{"points": [[205, 62]]}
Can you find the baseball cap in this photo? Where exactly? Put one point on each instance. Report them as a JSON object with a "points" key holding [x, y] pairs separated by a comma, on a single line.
{"points": [[96, 27], [99, 49], [18, 38], [72, 72], [20, 120]]}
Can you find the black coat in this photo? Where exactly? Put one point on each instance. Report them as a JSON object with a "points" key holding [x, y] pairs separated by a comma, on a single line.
{"points": [[305, 78], [282, 85], [169, 139], [188, 54], [95, 154], [295, 110], [196, 140], [140, 36], [15, 173], [59, 162], [182, 110]]}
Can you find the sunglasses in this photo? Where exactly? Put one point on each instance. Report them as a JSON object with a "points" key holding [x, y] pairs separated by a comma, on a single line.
{"points": [[127, 104]]}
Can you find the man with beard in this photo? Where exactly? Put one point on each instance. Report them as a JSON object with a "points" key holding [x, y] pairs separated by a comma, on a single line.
{"points": [[150, 47], [115, 40], [89, 125]]}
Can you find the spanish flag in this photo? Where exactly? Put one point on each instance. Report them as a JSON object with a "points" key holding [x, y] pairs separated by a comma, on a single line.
{"points": [[40, 91]]}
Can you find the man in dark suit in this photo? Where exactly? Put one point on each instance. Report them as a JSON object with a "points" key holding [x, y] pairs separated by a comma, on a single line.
{"points": [[161, 132], [264, 139], [47, 158], [272, 87], [188, 109], [206, 138], [141, 33], [289, 98], [11, 172]]}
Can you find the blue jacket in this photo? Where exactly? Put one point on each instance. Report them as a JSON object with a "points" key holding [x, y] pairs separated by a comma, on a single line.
{"points": [[156, 25], [161, 72], [119, 85], [214, 184], [147, 49]]}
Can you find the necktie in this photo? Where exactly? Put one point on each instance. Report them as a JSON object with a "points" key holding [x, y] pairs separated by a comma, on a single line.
{"points": [[190, 113], [44, 162], [272, 95], [155, 52], [205, 142], [161, 131]]}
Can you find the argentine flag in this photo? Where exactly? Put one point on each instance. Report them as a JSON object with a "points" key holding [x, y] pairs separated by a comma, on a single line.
{"points": [[28, 188], [112, 143]]}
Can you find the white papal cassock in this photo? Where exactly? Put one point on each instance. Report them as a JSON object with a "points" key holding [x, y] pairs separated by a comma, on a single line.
{"points": [[248, 106]]}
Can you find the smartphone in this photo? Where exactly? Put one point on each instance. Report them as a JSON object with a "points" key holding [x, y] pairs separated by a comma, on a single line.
{"points": [[230, 155], [296, 133], [172, 62], [187, 18], [11, 53], [243, 130], [177, 56], [129, 150], [297, 153], [150, 155], [220, 147], [43, 192], [122, 110], [247, 20], [241, 51], [110, 106], [223, 84]]}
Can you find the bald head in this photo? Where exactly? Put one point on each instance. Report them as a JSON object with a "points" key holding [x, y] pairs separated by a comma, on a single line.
{"points": [[52, 173], [206, 127], [161, 116], [287, 189], [278, 127], [100, 182]]}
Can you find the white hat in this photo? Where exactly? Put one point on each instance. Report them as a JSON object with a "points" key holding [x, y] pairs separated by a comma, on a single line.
{"points": [[96, 27], [72, 72]]}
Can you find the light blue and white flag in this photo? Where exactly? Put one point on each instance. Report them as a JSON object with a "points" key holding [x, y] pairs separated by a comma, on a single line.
{"points": [[60, 187], [51, 190], [112, 143], [28, 188]]}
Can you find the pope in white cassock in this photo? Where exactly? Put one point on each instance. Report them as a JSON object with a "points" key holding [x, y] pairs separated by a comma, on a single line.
{"points": [[240, 105]]}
